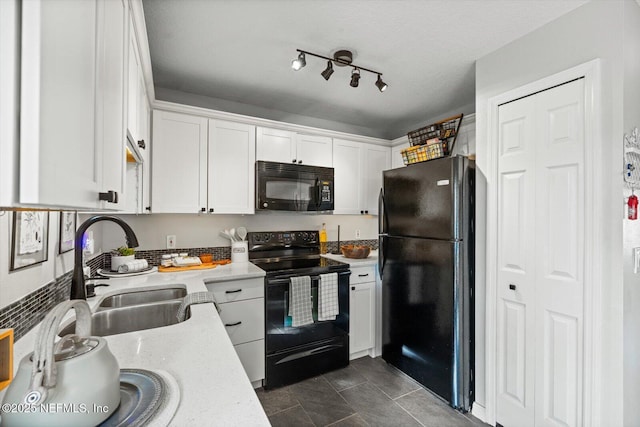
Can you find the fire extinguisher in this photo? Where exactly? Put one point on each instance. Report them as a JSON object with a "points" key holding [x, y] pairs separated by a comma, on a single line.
{"points": [[632, 207]]}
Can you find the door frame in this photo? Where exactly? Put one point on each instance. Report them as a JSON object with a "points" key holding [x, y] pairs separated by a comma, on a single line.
{"points": [[593, 234]]}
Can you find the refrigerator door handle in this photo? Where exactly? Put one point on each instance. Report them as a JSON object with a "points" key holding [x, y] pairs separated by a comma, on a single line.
{"points": [[381, 257], [382, 217]]}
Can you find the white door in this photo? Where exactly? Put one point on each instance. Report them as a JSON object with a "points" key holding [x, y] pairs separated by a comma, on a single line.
{"points": [[396, 155], [540, 258], [232, 159], [361, 321], [179, 166], [314, 150], [275, 145], [347, 177], [375, 160]]}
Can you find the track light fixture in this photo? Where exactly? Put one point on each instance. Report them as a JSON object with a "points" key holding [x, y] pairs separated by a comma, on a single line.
{"points": [[299, 62], [327, 71], [341, 58]]}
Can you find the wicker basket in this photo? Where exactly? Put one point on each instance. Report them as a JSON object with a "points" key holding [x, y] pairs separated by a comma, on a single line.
{"points": [[422, 153]]}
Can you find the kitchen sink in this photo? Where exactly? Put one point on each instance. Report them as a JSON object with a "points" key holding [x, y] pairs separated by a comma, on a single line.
{"points": [[142, 297], [131, 318]]}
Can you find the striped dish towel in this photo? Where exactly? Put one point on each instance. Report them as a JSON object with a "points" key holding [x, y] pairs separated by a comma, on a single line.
{"points": [[328, 307], [300, 301], [194, 298]]}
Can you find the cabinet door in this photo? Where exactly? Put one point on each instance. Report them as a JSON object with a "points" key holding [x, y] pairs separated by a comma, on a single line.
{"points": [[375, 160], [59, 150], [314, 150], [396, 155], [275, 145], [146, 152], [231, 167], [361, 320], [111, 103], [179, 172], [347, 176], [133, 81]]}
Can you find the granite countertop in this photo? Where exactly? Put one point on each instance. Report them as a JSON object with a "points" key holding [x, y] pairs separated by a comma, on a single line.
{"points": [[372, 259], [198, 353]]}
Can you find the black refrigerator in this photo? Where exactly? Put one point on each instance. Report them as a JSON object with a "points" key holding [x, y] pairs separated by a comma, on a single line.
{"points": [[426, 250]]}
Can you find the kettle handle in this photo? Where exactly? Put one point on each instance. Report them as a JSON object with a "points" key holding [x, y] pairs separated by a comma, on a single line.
{"points": [[44, 372]]}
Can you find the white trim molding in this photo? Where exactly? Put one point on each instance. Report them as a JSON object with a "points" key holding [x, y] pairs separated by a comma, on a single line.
{"points": [[592, 373]]}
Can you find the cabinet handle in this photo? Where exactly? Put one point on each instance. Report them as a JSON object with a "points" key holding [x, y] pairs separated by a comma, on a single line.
{"points": [[293, 161], [110, 196], [366, 212], [233, 324], [512, 286], [141, 144], [299, 162], [361, 212], [148, 208], [210, 210], [353, 288], [363, 275], [203, 209], [235, 291]]}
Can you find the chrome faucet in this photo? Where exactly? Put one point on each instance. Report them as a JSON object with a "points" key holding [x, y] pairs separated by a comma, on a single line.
{"points": [[78, 290]]}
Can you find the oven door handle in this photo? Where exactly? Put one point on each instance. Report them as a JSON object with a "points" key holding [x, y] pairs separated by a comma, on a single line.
{"points": [[307, 353], [286, 280]]}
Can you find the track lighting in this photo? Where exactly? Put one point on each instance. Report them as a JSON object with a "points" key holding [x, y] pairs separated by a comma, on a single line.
{"points": [[327, 71], [341, 58], [299, 62], [355, 77], [382, 86]]}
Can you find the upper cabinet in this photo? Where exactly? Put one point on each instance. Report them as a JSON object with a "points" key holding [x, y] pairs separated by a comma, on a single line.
{"points": [[71, 66], [396, 155], [284, 146], [202, 165], [358, 176]]}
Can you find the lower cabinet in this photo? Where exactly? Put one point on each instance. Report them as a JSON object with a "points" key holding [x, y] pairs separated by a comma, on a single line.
{"points": [[241, 306], [362, 311]]}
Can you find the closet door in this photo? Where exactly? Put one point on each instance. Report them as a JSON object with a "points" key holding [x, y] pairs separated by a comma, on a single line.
{"points": [[540, 258]]}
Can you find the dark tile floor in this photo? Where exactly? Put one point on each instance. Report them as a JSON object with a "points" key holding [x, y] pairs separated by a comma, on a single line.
{"points": [[368, 392]]}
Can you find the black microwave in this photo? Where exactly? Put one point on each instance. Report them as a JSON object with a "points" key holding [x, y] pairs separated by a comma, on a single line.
{"points": [[293, 187]]}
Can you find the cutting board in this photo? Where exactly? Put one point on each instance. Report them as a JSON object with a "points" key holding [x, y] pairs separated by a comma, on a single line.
{"points": [[203, 266]]}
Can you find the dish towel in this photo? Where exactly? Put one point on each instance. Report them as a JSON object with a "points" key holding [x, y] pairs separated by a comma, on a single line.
{"points": [[133, 266], [328, 307], [300, 301], [194, 298]]}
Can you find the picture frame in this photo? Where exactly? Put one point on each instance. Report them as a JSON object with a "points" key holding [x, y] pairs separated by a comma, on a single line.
{"points": [[67, 232], [29, 239]]}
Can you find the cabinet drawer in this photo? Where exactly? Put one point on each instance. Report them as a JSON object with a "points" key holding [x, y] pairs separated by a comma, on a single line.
{"points": [[243, 320], [237, 290], [362, 274], [251, 356]]}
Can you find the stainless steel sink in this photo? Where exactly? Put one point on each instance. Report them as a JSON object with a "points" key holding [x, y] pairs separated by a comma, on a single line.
{"points": [[132, 318], [142, 297]]}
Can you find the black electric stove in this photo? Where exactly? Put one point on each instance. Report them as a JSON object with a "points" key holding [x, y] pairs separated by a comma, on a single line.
{"points": [[297, 353]]}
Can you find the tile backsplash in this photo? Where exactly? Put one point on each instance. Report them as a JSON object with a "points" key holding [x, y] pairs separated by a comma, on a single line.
{"points": [[27, 312]]}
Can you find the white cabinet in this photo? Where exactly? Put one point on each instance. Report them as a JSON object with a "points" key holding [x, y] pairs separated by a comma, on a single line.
{"points": [[396, 155], [71, 145], [202, 165], [362, 311], [241, 307], [358, 176], [232, 159], [179, 172], [275, 145]]}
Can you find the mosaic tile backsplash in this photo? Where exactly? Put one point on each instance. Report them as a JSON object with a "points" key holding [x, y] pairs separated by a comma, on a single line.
{"points": [[27, 312]]}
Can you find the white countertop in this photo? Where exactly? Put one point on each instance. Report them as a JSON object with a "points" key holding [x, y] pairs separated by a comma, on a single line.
{"points": [[372, 259], [214, 389]]}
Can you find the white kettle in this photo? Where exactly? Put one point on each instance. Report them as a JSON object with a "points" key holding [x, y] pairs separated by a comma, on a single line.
{"points": [[74, 382]]}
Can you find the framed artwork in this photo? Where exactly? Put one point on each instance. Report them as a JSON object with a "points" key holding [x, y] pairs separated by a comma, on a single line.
{"points": [[30, 239], [67, 235]]}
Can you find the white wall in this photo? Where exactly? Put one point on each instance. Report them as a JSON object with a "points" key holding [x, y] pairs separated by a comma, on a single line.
{"points": [[631, 229], [15, 285], [194, 231], [591, 31]]}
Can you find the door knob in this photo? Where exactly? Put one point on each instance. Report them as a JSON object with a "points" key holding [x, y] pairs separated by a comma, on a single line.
{"points": [[512, 286]]}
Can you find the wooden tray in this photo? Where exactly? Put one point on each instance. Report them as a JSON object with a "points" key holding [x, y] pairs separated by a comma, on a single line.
{"points": [[203, 266]]}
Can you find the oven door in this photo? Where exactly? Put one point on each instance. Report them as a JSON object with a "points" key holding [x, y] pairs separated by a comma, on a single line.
{"points": [[288, 187], [280, 335]]}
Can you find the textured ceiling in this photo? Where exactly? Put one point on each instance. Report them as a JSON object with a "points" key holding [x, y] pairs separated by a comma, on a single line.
{"points": [[240, 52]]}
